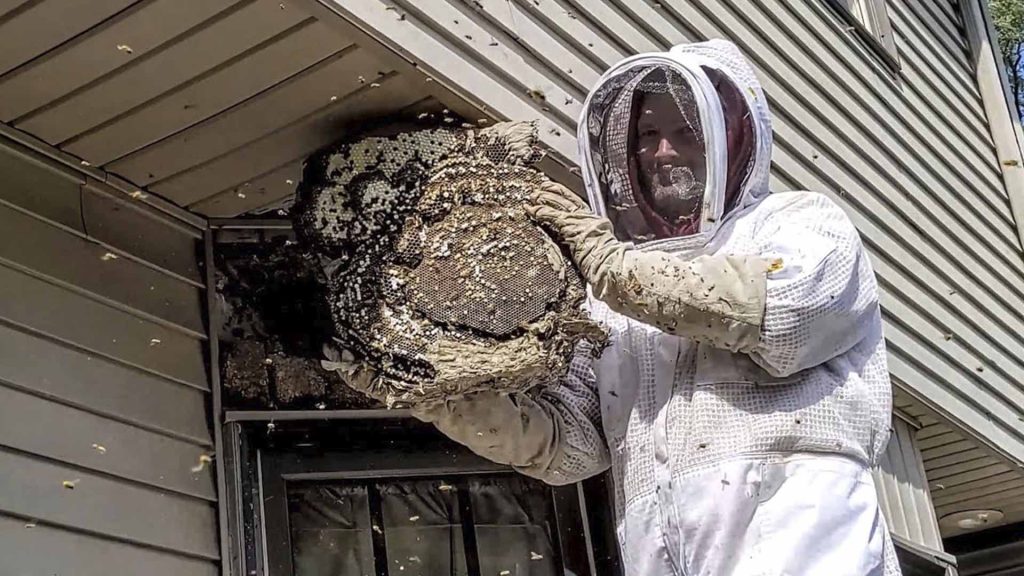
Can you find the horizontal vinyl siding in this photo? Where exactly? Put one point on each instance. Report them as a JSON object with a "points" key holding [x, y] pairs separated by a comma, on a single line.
{"points": [[906, 154], [103, 381]]}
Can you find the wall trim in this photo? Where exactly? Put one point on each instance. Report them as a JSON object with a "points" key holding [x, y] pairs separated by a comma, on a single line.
{"points": [[997, 100]]}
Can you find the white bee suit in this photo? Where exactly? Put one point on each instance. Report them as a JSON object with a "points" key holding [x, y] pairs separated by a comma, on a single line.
{"points": [[740, 437]]}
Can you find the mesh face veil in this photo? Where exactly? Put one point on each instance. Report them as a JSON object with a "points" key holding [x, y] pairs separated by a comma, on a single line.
{"points": [[653, 148]]}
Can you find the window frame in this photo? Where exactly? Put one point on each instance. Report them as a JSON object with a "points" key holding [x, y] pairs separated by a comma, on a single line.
{"points": [[876, 32], [260, 537]]}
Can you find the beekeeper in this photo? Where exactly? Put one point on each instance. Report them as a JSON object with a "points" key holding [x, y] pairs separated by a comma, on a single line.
{"points": [[744, 394]]}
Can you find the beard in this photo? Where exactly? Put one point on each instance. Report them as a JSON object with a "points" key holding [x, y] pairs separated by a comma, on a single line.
{"points": [[679, 200]]}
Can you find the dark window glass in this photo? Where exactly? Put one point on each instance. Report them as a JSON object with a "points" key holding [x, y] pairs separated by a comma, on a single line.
{"points": [[502, 525]]}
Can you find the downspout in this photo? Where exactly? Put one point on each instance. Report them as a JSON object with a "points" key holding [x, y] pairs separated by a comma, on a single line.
{"points": [[1003, 121]]}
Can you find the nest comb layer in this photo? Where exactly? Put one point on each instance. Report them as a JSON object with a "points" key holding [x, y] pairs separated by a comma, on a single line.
{"points": [[437, 277]]}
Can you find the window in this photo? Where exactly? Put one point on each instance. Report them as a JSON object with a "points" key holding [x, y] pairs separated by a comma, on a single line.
{"points": [[870, 20], [392, 497]]}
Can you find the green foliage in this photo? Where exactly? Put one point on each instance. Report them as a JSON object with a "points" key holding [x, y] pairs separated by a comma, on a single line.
{"points": [[1009, 21]]}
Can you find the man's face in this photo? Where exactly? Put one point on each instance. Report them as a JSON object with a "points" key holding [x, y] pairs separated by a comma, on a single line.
{"points": [[670, 158]]}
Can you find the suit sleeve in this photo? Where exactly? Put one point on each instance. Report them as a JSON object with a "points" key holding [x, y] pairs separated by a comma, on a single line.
{"points": [[552, 433], [824, 298]]}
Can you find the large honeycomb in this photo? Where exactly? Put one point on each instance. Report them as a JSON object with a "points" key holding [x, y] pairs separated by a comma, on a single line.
{"points": [[437, 278]]}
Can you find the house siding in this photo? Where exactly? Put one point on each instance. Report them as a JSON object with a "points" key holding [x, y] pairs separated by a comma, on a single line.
{"points": [[104, 389], [907, 154]]}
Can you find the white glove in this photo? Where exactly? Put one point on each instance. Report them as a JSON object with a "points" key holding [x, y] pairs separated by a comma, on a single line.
{"points": [[716, 299], [524, 429]]}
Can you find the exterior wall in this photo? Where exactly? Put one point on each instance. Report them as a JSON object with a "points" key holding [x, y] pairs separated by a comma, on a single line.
{"points": [[908, 154], [103, 382]]}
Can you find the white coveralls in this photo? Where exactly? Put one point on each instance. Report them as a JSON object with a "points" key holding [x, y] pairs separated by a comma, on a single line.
{"points": [[730, 454]]}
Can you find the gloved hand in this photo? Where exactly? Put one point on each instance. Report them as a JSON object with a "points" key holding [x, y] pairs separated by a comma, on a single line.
{"points": [[715, 299], [358, 375], [521, 429]]}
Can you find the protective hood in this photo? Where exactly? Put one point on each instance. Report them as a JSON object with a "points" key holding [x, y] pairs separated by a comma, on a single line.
{"points": [[640, 188]]}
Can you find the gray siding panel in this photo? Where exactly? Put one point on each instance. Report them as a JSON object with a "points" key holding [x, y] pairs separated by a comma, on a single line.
{"points": [[34, 551], [96, 443], [32, 487], [123, 280], [68, 315], [132, 227], [104, 386], [51, 192]]}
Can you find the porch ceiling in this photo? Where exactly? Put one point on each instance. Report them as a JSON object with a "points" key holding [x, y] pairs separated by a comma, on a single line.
{"points": [[211, 105]]}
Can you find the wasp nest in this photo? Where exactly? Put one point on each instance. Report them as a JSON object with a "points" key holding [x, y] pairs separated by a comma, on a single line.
{"points": [[437, 277]]}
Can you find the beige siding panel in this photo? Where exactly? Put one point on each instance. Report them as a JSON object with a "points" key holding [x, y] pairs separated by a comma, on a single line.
{"points": [[552, 52], [129, 36], [948, 449], [953, 471], [290, 145], [32, 551], [974, 354], [123, 281], [259, 116], [976, 149], [615, 24], [103, 379], [95, 443], [102, 387], [47, 24], [889, 493], [209, 94], [35, 488], [247, 25], [64, 315]]}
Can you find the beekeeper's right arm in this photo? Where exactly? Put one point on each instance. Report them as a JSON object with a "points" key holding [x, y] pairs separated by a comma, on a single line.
{"points": [[551, 433]]}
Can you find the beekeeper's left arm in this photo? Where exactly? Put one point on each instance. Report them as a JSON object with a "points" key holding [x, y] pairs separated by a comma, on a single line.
{"points": [[803, 298]]}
